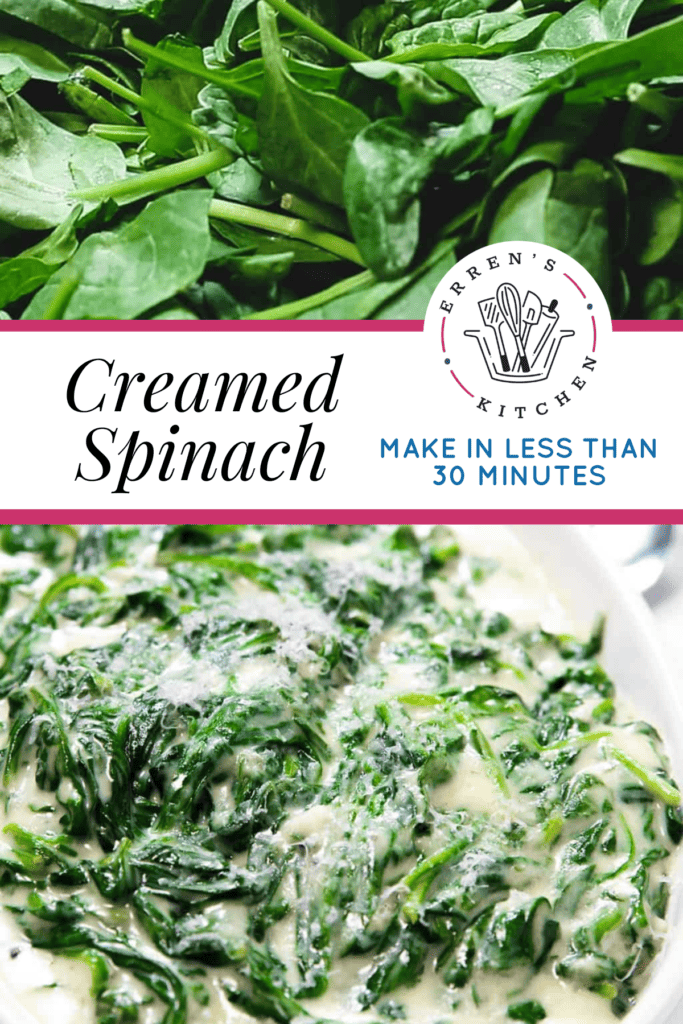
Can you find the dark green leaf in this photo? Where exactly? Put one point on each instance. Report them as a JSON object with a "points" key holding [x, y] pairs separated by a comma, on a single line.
{"points": [[34, 60], [590, 22], [27, 272], [473, 36], [122, 273], [171, 89], [80, 24], [530, 1011], [43, 165], [243, 180], [387, 167], [305, 137]]}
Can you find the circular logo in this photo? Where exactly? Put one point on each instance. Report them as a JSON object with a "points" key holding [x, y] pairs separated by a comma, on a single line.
{"points": [[519, 327]]}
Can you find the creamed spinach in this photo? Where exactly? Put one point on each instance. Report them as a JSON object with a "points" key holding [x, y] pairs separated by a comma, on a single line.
{"points": [[314, 774]]}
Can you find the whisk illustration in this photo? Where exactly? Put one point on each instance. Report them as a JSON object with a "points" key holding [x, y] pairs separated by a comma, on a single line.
{"points": [[510, 305], [531, 325]]}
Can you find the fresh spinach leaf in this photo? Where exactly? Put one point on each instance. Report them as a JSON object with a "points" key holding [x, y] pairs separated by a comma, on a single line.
{"points": [[474, 36], [240, 21], [292, 116], [413, 85], [502, 83], [243, 180], [656, 203], [174, 90], [43, 165], [388, 165], [569, 210], [588, 23], [80, 24], [36, 61], [305, 137], [25, 273], [123, 273]]}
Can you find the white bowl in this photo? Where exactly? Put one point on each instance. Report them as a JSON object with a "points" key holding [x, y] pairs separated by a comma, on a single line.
{"points": [[631, 656], [587, 587]]}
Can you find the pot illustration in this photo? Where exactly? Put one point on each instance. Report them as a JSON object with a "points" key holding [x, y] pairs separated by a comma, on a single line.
{"points": [[520, 339]]}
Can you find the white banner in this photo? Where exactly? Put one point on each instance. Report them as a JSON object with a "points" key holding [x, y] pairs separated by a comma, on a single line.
{"points": [[340, 420]]}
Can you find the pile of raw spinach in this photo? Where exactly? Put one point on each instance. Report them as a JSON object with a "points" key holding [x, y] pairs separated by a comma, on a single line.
{"points": [[167, 160]]}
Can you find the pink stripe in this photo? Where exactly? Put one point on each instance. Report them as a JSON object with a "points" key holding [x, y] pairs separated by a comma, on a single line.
{"points": [[647, 325], [353, 515], [575, 284], [183, 326], [443, 338], [211, 325], [595, 333]]}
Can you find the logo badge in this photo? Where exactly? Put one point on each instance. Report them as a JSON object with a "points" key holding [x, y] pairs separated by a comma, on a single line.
{"points": [[518, 313]]}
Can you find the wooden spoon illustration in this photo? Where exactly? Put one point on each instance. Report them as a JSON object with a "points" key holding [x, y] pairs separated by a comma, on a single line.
{"points": [[510, 304], [531, 314]]}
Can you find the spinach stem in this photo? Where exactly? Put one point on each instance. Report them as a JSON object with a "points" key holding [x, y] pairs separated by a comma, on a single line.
{"points": [[291, 227], [164, 111], [172, 60], [158, 180], [291, 310], [316, 213], [420, 879], [511, 109], [652, 102], [660, 788], [421, 700], [583, 739], [119, 133], [663, 163], [69, 581], [94, 105], [311, 28], [431, 865], [59, 302]]}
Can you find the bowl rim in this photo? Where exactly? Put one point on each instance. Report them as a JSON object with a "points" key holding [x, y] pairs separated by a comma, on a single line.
{"points": [[664, 992]]}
